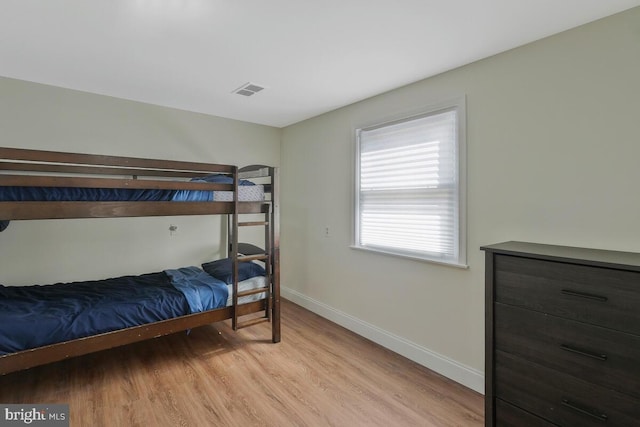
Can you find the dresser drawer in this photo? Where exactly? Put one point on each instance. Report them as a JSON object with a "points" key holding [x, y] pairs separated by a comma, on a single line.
{"points": [[595, 354], [560, 398], [600, 296], [509, 416]]}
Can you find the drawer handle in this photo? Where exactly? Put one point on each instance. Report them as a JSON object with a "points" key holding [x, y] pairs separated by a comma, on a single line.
{"points": [[584, 295], [585, 411], [581, 352]]}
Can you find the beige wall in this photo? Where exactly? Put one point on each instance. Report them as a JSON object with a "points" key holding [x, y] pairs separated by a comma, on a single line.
{"points": [[45, 117], [553, 147]]}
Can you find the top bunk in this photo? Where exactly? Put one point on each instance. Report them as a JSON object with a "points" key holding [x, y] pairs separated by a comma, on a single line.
{"points": [[36, 184]]}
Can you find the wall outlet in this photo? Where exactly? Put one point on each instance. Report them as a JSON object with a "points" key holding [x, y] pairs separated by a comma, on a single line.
{"points": [[327, 234]]}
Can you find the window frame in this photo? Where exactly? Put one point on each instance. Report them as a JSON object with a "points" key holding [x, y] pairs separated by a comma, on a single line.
{"points": [[459, 105]]}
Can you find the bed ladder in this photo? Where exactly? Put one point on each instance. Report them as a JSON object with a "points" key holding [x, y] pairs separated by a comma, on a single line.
{"points": [[245, 252]]}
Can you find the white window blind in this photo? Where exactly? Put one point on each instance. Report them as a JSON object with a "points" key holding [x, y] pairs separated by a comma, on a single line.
{"points": [[408, 187]]}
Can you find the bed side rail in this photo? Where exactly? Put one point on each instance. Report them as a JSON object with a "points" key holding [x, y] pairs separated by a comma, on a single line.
{"points": [[26, 160]]}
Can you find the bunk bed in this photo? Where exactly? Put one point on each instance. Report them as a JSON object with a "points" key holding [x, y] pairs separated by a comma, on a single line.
{"points": [[37, 184]]}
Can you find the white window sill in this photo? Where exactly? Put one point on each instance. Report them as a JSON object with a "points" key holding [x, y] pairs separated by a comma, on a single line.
{"points": [[412, 257]]}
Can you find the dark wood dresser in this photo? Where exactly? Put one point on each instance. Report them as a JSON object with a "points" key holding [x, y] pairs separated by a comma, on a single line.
{"points": [[562, 336]]}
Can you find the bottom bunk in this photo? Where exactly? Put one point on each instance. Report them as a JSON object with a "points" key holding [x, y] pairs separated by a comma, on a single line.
{"points": [[43, 324]]}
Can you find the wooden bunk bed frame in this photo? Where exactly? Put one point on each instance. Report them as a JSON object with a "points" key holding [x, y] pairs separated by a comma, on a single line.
{"points": [[23, 167]]}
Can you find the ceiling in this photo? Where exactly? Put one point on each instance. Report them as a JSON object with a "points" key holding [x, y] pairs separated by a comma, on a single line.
{"points": [[311, 56]]}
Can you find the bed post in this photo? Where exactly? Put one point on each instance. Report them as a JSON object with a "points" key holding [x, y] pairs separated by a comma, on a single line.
{"points": [[234, 248], [275, 260]]}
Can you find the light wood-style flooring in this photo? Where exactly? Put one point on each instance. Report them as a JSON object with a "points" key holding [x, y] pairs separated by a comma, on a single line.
{"points": [[319, 375]]}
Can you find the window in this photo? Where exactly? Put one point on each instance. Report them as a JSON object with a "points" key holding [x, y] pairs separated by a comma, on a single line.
{"points": [[410, 186]]}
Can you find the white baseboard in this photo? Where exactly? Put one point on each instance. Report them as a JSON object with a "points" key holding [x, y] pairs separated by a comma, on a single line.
{"points": [[469, 377]]}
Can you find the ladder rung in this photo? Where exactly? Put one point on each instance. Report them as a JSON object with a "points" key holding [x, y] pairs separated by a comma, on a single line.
{"points": [[252, 223], [249, 249], [248, 258], [252, 292], [252, 322]]}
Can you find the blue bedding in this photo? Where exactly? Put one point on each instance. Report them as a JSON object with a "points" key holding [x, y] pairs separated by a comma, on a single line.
{"points": [[205, 196], [71, 194], [34, 316], [202, 291]]}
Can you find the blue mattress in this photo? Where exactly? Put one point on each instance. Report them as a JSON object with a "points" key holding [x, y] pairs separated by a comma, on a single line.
{"points": [[34, 316], [75, 194], [67, 194]]}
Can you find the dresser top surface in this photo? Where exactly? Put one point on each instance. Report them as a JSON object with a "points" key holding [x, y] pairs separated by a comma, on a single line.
{"points": [[575, 255]]}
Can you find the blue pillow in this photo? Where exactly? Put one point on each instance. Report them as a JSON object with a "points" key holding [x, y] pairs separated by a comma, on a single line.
{"points": [[222, 270]]}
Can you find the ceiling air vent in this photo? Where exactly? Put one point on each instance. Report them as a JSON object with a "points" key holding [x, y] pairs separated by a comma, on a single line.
{"points": [[248, 89]]}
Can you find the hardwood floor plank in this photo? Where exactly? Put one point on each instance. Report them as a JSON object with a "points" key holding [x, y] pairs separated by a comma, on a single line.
{"points": [[319, 375]]}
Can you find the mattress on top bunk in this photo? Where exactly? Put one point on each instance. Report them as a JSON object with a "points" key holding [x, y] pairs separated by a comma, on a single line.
{"points": [[35, 316], [247, 192]]}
